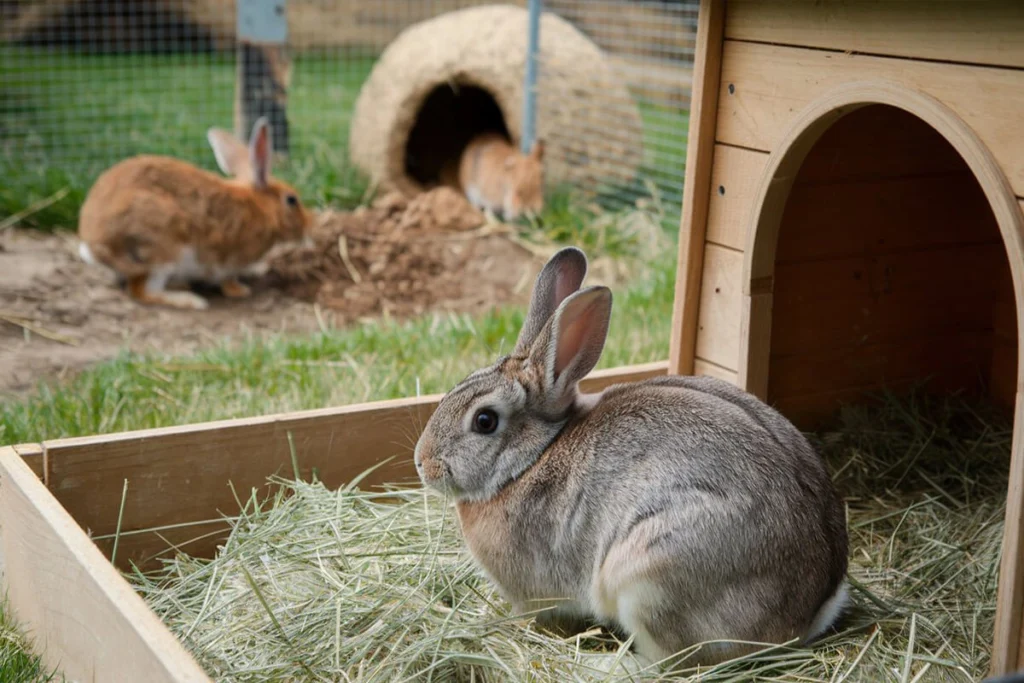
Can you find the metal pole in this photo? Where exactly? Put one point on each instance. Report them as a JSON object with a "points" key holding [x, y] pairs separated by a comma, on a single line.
{"points": [[535, 8]]}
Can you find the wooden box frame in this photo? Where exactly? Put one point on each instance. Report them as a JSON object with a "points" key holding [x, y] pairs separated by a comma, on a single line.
{"points": [[78, 609], [774, 80], [963, 77]]}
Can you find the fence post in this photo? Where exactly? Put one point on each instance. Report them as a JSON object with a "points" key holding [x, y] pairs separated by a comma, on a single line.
{"points": [[264, 69], [535, 8]]}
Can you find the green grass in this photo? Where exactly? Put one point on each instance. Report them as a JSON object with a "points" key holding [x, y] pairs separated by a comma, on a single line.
{"points": [[66, 120], [374, 361], [17, 664]]}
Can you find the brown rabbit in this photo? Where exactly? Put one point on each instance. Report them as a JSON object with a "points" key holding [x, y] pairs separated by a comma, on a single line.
{"points": [[152, 219], [497, 177]]}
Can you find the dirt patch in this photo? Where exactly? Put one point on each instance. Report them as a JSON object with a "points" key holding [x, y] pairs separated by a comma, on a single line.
{"points": [[401, 258]]}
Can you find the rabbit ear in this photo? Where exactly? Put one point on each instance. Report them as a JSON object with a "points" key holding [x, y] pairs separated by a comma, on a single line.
{"points": [[231, 153], [561, 276], [259, 152], [571, 343]]}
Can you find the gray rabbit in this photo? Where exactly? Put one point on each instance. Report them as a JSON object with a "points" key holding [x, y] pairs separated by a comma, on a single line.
{"points": [[678, 509]]}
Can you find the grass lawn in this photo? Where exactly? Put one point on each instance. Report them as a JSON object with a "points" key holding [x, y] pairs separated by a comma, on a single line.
{"points": [[373, 361], [17, 665], [370, 362], [65, 118]]}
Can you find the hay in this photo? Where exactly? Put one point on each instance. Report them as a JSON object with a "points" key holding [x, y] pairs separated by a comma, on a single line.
{"points": [[320, 585], [470, 64]]}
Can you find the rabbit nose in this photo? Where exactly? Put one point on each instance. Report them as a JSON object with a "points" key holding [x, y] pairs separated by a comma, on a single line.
{"points": [[428, 465], [307, 242]]}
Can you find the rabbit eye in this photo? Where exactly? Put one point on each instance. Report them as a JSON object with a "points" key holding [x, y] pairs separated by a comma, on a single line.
{"points": [[291, 200], [485, 421]]}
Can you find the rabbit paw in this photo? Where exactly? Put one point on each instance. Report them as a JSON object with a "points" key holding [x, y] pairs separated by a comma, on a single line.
{"points": [[234, 289], [185, 300], [150, 291]]}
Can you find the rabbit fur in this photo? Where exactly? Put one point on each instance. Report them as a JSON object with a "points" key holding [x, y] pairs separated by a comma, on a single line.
{"points": [[680, 509], [153, 219], [497, 178]]}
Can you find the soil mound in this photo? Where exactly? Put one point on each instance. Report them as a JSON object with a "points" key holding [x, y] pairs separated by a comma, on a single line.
{"points": [[402, 256]]}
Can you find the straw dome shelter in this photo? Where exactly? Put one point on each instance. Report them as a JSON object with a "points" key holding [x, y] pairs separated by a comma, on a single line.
{"points": [[445, 79]]}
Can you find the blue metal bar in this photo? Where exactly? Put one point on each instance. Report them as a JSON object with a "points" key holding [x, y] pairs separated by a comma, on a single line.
{"points": [[535, 8]]}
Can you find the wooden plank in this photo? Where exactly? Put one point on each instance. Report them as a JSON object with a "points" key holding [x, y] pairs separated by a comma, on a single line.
{"points": [[1003, 383], [34, 457], [886, 272], [888, 215], [769, 84], [805, 322], [83, 617], [955, 360], [705, 367], [878, 142], [718, 328], [181, 475], [980, 32], [755, 341], [735, 175], [697, 184], [1004, 378], [816, 410], [872, 299], [1008, 648]]}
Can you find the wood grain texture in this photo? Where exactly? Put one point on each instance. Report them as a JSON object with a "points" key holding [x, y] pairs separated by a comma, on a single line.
{"points": [[735, 174], [704, 367], [953, 361], [756, 325], [718, 328], [184, 475], [83, 617], [878, 142], [1008, 649], [34, 457], [885, 216], [792, 112], [818, 410], [980, 32], [772, 83], [696, 184]]}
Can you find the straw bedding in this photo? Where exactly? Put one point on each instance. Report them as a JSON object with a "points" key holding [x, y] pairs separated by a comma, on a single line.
{"points": [[319, 585]]}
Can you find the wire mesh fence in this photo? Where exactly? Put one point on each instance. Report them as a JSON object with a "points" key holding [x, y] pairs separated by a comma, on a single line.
{"points": [[85, 83]]}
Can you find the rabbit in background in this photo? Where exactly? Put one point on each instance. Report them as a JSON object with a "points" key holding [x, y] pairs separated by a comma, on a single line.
{"points": [[497, 178], [154, 219], [680, 509]]}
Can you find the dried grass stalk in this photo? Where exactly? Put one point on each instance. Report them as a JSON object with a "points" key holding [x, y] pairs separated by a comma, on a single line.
{"points": [[349, 585]]}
